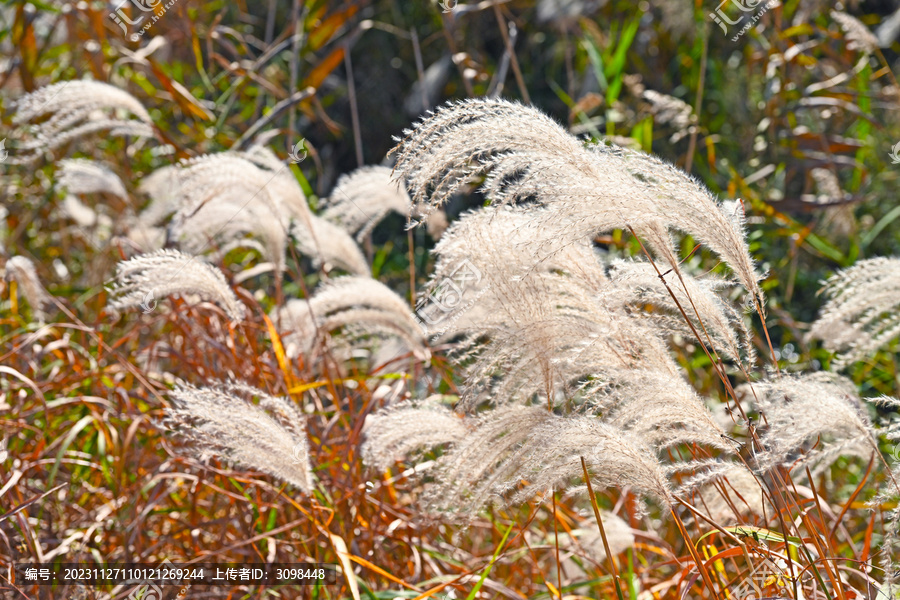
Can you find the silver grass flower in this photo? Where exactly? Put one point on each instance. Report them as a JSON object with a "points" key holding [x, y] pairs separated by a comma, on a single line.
{"points": [[163, 188], [514, 453], [144, 237], [436, 224], [861, 315], [76, 109], [143, 280], [226, 223], [242, 178], [226, 196], [818, 414], [83, 215], [220, 420], [672, 111], [663, 410], [360, 306], [586, 189], [552, 324], [700, 298], [857, 34], [329, 246], [82, 176], [586, 541], [21, 270], [401, 430], [361, 199]]}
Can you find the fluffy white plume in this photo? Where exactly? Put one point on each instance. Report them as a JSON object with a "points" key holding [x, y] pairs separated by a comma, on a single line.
{"points": [[76, 109], [857, 34], [224, 197], [362, 198], [21, 270], [586, 542], [163, 187], [82, 176], [586, 188], [270, 437], [514, 453], [671, 111], [142, 280], [360, 306], [819, 414], [700, 298], [329, 246], [861, 315], [399, 431], [551, 324]]}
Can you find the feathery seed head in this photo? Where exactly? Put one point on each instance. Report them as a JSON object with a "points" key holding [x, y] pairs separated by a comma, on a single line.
{"points": [[21, 270], [362, 198], [858, 35], [270, 437], [861, 315], [142, 280], [77, 108], [583, 189], [82, 176]]}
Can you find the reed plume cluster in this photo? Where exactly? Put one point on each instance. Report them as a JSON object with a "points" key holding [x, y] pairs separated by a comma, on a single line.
{"points": [[860, 315], [571, 360], [76, 109], [220, 420], [142, 280]]}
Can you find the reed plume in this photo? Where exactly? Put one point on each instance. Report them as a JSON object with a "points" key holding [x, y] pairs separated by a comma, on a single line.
{"points": [[812, 418], [361, 199], [671, 111], [82, 176], [552, 322], [856, 33], [163, 187], [360, 307], [329, 246], [21, 270], [860, 316], [587, 542], [220, 420], [142, 280], [586, 188], [513, 453], [402, 430], [226, 196], [76, 109], [702, 300]]}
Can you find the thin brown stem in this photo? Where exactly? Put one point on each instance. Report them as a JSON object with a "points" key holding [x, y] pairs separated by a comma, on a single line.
{"points": [[556, 540], [609, 556]]}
